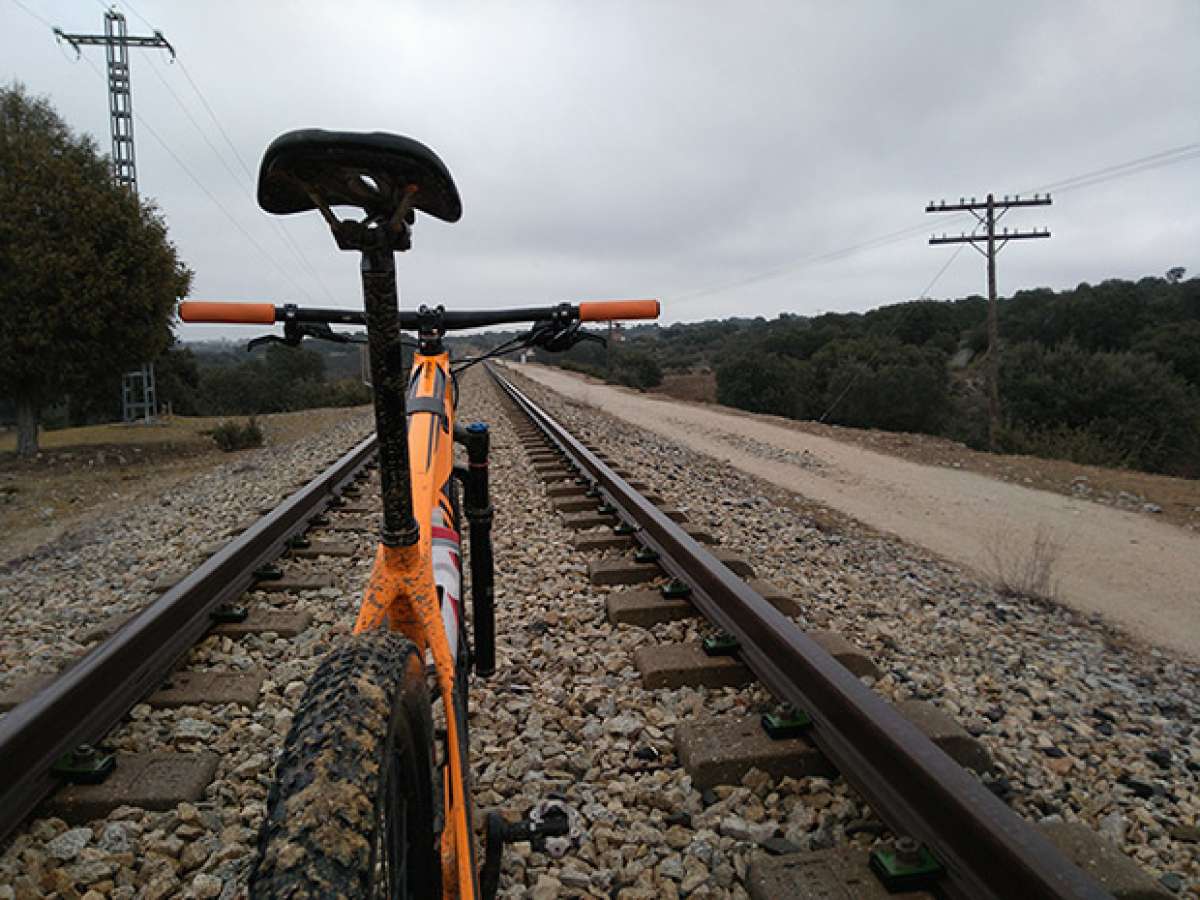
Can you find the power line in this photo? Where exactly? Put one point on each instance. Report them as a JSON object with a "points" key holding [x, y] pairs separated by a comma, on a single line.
{"points": [[212, 115], [1183, 153], [1120, 170], [924, 295], [30, 12], [284, 233], [236, 224], [241, 185]]}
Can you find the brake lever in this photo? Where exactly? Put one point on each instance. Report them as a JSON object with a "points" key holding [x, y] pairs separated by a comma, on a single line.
{"points": [[294, 332], [556, 338], [265, 339]]}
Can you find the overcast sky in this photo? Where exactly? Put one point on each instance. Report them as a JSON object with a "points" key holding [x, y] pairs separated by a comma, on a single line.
{"points": [[707, 153]]}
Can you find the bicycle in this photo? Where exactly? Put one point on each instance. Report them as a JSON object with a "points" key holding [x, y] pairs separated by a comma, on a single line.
{"points": [[369, 796]]}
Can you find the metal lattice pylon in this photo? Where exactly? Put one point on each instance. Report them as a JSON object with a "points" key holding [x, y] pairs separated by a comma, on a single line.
{"points": [[117, 41]]}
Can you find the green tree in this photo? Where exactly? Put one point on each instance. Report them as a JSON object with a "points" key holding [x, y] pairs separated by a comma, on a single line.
{"points": [[177, 380], [879, 382], [1177, 343], [637, 368], [764, 382], [1106, 408], [88, 279]]}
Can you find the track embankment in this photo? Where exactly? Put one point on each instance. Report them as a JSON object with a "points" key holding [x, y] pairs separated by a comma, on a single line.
{"points": [[1139, 574]]}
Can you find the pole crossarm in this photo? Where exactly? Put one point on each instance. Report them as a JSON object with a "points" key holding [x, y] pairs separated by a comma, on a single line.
{"points": [[983, 238], [101, 40], [968, 206]]}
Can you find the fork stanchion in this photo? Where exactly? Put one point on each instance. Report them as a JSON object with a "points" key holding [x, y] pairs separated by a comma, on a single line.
{"points": [[478, 509]]}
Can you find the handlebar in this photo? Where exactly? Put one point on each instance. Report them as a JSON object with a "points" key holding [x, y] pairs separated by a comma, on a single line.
{"points": [[196, 311]]}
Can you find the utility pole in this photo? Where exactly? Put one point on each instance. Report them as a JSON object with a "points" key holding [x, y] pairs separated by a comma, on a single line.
{"points": [[989, 238], [137, 387]]}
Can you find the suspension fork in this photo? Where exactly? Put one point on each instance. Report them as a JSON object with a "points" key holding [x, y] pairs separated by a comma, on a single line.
{"points": [[478, 508], [390, 380]]}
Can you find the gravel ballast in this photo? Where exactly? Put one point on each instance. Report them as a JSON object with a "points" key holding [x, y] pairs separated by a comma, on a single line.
{"points": [[1084, 726]]}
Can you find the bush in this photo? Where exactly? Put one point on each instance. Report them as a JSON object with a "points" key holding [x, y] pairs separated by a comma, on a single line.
{"points": [[1100, 407], [637, 369], [1024, 571], [230, 436], [765, 383], [882, 383]]}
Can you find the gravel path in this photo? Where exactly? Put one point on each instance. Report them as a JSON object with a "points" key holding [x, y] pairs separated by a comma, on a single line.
{"points": [[1141, 574]]}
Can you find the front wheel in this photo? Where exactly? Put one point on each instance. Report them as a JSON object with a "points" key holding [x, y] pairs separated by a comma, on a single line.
{"points": [[351, 812]]}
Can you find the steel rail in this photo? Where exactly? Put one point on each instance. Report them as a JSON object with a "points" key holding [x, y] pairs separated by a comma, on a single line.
{"points": [[86, 701], [985, 848]]}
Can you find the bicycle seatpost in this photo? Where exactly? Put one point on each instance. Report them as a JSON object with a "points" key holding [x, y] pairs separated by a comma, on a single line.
{"points": [[389, 376]]}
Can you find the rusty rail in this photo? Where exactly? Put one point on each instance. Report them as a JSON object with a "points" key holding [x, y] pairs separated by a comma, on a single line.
{"points": [[85, 702], [986, 849]]}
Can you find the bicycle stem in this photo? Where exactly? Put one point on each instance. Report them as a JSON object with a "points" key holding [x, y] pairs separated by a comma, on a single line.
{"points": [[390, 379]]}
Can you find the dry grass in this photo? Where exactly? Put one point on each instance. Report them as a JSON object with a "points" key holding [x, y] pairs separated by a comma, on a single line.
{"points": [[179, 431], [1020, 566], [81, 472]]}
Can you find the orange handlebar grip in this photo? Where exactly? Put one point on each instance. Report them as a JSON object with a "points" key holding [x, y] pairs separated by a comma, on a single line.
{"points": [[604, 310], [228, 313]]}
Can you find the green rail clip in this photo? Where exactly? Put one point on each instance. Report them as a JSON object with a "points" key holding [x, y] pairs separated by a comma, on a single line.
{"points": [[786, 724], [907, 866], [268, 573], [645, 555], [84, 765], [226, 614], [606, 509], [676, 588], [624, 528], [720, 645], [299, 542]]}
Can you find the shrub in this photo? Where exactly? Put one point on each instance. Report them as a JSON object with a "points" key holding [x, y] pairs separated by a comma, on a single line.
{"points": [[765, 383], [882, 383], [638, 369], [1027, 571], [231, 436], [1127, 406]]}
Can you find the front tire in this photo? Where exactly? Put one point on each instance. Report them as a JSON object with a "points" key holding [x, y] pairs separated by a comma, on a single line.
{"points": [[351, 812]]}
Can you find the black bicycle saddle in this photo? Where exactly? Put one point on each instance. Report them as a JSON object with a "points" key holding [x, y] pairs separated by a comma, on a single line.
{"points": [[369, 170]]}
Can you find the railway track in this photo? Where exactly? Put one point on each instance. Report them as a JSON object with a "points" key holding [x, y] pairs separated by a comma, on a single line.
{"points": [[653, 824], [56, 735], [951, 835]]}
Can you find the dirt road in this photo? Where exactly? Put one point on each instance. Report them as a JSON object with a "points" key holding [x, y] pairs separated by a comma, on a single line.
{"points": [[1140, 574]]}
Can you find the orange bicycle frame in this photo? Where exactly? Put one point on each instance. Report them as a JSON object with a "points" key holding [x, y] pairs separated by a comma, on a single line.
{"points": [[402, 595]]}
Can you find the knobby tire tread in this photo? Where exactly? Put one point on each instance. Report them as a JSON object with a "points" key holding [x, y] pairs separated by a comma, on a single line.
{"points": [[368, 697]]}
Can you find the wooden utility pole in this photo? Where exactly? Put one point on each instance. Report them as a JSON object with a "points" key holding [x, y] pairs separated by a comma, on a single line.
{"points": [[989, 238]]}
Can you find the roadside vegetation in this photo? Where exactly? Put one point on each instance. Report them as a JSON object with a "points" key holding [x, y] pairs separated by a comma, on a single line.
{"points": [[1105, 374], [89, 277]]}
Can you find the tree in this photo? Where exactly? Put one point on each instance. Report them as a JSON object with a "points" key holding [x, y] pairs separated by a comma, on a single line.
{"points": [[638, 369], [879, 382], [88, 279], [1130, 407], [1175, 274], [764, 382]]}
